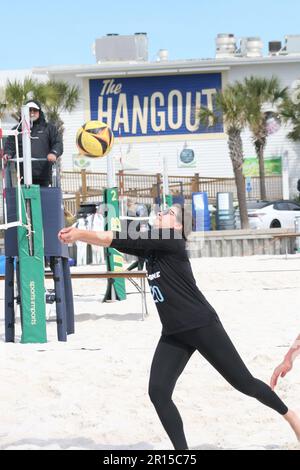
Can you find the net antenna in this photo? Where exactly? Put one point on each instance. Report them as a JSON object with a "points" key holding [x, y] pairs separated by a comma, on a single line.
{"points": [[122, 197]]}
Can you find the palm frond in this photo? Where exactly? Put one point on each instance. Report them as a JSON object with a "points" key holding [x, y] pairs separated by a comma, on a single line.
{"points": [[290, 114], [207, 117], [54, 96], [17, 92]]}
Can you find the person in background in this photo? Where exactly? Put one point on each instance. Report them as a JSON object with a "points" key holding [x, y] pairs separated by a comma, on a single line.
{"points": [[46, 145], [287, 363]]}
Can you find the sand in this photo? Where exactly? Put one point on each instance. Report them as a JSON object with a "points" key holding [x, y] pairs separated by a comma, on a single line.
{"points": [[91, 392]]}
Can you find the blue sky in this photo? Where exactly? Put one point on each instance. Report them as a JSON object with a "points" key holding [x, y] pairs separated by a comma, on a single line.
{"points": [[60, 32]]}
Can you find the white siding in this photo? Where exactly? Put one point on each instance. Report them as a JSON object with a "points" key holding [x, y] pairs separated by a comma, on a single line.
{"points": [[72, 122], [13, 75]]}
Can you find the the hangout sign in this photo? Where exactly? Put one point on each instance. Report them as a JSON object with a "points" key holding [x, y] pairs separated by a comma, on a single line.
{"points": [[151, 107]]}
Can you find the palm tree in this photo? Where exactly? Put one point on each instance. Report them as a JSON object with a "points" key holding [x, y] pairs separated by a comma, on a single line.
{"points": [[290, 113], [16, 93], [2, 103], [229, 106], [56, 97], [258, 92]]}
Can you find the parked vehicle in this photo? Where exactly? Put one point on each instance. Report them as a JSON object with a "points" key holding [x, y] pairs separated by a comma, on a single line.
{"points": [[271, 214]]}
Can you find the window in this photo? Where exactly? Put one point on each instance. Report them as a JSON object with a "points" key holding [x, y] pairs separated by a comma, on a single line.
{"points": [[281, 206], [293, 206]]}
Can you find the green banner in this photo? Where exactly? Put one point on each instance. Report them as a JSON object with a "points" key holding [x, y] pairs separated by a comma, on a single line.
{"points": [[31, 262], [114, 259], [273, 166]]}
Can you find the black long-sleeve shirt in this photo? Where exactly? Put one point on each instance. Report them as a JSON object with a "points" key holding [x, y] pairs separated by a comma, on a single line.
{"points": [[180, 303], [45, 139]]}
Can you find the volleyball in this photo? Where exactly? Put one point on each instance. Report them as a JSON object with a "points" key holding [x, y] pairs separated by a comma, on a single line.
{"points": [[94, 139]]}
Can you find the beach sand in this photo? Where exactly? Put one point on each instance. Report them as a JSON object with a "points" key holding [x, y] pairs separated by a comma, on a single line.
{"points": [[91, 392]]}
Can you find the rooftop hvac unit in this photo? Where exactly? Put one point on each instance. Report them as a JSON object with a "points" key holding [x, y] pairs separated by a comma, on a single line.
{"points": [[163, 55], [274, 47], [115, 48], [225, 46], [292, 44], [251, 47]]}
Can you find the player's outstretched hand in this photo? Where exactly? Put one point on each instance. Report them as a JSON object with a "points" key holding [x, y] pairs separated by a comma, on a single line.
{"points": [[68, 235]]}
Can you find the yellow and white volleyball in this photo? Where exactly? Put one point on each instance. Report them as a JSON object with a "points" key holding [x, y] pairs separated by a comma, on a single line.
{"points": [[94, 139]]}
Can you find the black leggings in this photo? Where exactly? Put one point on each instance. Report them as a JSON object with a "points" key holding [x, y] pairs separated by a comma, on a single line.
{"points": [[170, 359]]}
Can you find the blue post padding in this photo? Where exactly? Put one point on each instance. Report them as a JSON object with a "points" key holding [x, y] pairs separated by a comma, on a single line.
{"points": [[9, 301], [61, 312], [68, 297], [53, 221]]}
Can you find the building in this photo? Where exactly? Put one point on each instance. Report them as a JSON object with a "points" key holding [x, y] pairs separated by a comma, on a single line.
{"points": [[151, 105]]}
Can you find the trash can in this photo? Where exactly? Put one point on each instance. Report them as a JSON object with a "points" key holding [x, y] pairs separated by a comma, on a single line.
{"points": [[225, 215], [200, 212]]}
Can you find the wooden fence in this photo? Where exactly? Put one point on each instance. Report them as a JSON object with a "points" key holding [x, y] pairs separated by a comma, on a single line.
{"points": [[83, 186], [86, 186]]}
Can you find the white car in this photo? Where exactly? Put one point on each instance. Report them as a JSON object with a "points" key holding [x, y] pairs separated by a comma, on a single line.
{"points": [[274, 214]]}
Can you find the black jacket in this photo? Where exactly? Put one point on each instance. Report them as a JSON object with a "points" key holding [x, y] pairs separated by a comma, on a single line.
{"points": [[45, 139]]}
